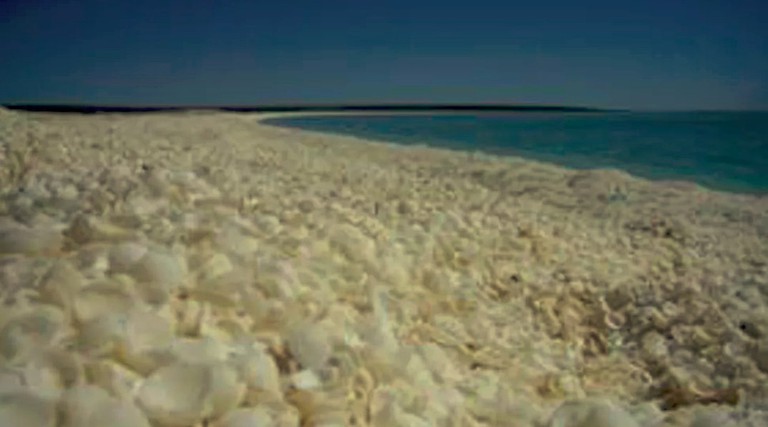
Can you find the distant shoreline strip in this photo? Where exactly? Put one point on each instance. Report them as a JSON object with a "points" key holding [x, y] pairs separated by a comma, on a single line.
{"points": [[93, 109]]}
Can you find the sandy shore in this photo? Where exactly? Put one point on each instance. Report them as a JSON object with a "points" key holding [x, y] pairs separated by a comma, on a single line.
{"points": [[207, 269]]}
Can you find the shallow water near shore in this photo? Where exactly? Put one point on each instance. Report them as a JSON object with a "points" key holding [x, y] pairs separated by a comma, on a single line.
{"points": [[725, 151]]}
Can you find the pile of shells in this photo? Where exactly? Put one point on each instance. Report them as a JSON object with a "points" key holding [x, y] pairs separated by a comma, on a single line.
{"points": [[176, 294]]}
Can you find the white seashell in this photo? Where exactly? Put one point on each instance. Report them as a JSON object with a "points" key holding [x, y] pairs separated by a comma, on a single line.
{"points": [[219, 296], [11, 381], [88, 229], [247, 417], [114, 377], [27, 333], [101, 299], [91, 406], [254, 304], [377, 336], [386, 411], [191, 315], [199, 350], [93, 261], [278, 279], [158, 267], [22, 240], [42, 380], [439, 363], [184, 394], [125, 255], [118, 413], [231, 241], [305, 380], [653, 345], [590, 413], [99, 336], [216, 266], [60, 285], [648, 414], [310, 344], [26, 409], [267, 224], [256, 368], [67, 364], [419, 375], [79, 403], [147, 341], [67, 192], [142, 206], [157, 274], [444, 402], [157, 183], [352, 243]]}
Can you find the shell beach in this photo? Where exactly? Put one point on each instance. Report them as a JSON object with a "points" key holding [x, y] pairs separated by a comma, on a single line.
{"points": [[206, 269]]}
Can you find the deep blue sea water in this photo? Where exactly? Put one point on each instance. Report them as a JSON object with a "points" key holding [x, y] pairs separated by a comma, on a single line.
{"points": [[719, 150]]}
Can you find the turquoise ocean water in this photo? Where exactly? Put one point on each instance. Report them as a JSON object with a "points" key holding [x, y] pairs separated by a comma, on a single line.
{"points": [[725, 151]]}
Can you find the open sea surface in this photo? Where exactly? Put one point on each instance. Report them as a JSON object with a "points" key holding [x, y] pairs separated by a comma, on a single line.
{"points": [[725, 151]]}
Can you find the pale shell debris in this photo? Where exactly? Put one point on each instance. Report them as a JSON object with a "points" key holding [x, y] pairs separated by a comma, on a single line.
{"points": [[184, 394], [23, 240], [26, 409]]}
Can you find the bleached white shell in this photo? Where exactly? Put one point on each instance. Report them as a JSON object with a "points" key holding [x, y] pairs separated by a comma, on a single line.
{"points": [[86, 229], [199, 350], [93, 261], [60, 285], [351, 242], [91, 406], [147, 341], [29, 332], [98, 336], [118, 413], [233, 242], [256, 368], [114, 377], [124, 255], [80, 402], [217, 265], [184, 394], [305, 380], [267, 224], [591, 413], [66, 192], [191, 315], [439, 363], [156, 274], [102, 299], [386, 411], [28, 410], [47, 374], [67, 364], [310, 344], [22, 240], [11, 381], [247, 417]]}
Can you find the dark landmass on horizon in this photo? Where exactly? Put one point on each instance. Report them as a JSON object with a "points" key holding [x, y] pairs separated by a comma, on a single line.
{"points": [[93, 109]]}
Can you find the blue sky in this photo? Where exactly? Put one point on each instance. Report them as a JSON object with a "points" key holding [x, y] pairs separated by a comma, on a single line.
{"points": [[652, 54]]}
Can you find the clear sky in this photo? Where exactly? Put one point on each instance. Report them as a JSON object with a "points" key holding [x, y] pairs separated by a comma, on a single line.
{"points": [[644, 54]]}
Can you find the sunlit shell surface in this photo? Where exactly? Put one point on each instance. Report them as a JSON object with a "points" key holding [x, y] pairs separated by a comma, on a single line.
{"points": [[184, 394]]}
